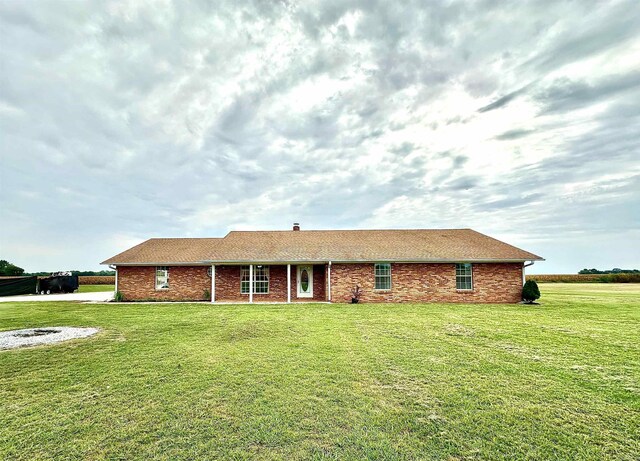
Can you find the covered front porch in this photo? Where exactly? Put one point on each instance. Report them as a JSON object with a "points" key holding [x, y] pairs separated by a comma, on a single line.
{"points": [[271, 283]]}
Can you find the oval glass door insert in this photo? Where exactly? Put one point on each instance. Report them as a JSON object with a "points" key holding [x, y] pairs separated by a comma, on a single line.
{"points": [[304, 280]]}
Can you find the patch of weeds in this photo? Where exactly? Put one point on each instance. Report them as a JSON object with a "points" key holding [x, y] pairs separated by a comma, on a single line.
{"points": [[246, 331], [559, 329], [454, 329]]}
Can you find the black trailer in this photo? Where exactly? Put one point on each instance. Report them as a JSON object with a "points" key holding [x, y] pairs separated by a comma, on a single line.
{"points": [[58, 284]]}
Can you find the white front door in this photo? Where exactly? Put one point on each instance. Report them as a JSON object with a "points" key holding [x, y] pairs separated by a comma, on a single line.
{"points": [[305, 281]]}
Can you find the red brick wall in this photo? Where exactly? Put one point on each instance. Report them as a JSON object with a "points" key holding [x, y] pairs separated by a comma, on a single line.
{"points": [[492, 283], [186, 283]]}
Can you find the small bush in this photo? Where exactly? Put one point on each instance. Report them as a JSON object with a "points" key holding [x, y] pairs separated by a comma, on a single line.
{"points": [[206, 295], [118, 297], [530, 291]]}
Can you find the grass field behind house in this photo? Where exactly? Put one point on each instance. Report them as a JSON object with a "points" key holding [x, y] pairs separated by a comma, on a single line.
{"points": [[94, 288], [195, 381]]}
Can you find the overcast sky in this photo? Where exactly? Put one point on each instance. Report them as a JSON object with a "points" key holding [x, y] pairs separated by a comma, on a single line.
{"points": [[122, 121]]}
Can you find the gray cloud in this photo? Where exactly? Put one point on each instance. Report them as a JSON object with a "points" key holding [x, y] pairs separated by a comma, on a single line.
{"points": [[504, 100], [565, 94], [514, 134], [602, 26]]}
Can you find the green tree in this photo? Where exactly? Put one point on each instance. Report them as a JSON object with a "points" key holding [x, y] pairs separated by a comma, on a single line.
{"points": [[6, 268]]}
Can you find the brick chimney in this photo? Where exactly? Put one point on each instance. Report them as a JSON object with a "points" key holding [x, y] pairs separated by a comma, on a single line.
{"points": [[296, 226]]}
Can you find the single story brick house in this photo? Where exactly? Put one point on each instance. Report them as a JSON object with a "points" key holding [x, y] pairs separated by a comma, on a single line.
{"points": [[421, 265]]}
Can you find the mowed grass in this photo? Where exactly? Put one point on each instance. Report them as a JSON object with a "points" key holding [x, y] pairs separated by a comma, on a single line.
{"points": [[315, 381], [94, 288]]}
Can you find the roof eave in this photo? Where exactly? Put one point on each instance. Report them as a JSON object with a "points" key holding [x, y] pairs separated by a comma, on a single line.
{"points": [[160, 263], [320, 261]]}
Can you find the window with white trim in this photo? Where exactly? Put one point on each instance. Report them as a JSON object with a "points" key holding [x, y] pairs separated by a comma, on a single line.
{"points": [[464, 276], [162, 277], [383, 276], [260, 279]]}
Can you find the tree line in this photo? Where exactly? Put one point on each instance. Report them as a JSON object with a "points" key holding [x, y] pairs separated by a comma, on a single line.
{"points": [[82, 273], [6, 268], [615, 270]]}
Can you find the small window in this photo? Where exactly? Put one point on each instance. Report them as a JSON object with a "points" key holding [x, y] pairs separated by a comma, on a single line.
{"points": [[162, 277], [260, 279], [464, 278], [383, 276]]}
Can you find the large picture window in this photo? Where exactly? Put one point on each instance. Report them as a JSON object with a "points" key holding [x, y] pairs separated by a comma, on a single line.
{"points": [[260, 279], [162, 277], [464, 277], [383, 276]]}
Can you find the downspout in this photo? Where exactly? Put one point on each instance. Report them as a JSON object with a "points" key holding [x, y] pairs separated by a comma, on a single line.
{"points": [[524, 280], [115, 268], [329, 277], [213, 283], [251, 283], [288, 283]]}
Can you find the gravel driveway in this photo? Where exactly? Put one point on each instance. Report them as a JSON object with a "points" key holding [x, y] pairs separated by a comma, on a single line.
{"points": [[44, 335], [95, 296]]}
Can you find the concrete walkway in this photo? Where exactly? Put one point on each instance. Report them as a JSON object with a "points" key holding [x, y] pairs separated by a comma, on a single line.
{"points": [[99, 296]]}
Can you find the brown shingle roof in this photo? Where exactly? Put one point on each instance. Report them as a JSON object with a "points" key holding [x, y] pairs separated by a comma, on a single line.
{"points": [[319, 246], [166, 251]]}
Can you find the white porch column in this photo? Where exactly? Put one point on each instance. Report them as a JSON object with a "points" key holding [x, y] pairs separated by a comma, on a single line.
{"points": [[288, 283], [116, 288], [250, 283], [213, 283], [329, 277]]}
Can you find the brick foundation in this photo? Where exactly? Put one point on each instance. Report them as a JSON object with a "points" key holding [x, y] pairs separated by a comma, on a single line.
{"points": [[492, 283]]}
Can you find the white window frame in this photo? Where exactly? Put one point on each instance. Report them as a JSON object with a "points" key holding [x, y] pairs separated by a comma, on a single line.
{"points": [[261, 276], [381, 276], [464, 277], [165, 276]]}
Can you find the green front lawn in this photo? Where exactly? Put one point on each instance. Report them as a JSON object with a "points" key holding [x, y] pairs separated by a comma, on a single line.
{"points": [[197, 381]]}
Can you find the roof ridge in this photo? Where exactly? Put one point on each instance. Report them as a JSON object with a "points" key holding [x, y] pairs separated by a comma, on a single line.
{"points": [[434, 229], [184, 238]]}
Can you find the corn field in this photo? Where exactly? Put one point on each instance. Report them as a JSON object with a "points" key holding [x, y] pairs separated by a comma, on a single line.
{"points": [[97, 279], [585, 278]]}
